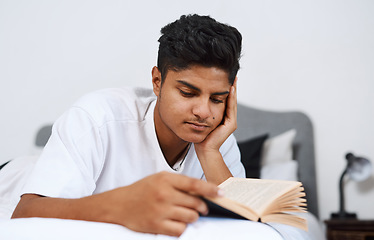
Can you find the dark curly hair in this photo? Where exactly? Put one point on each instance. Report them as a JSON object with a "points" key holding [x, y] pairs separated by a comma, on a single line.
{"points": [[199, 40]]}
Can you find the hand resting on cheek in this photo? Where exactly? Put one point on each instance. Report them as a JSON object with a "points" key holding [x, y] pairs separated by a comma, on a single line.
{"points": [[207, 151]]}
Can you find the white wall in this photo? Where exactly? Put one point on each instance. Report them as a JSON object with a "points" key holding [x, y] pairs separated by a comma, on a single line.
{"points": [[313, 56]]}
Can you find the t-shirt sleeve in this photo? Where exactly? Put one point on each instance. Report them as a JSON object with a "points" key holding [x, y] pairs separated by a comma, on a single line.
{"points": [[231, 155], [72, 159]]}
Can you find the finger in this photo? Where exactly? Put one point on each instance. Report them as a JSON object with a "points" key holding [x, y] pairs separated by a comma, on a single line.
{"points": [[196, 186], [235, 86], [172, 227], [182, 214], [231, 110], [190, 202], [235, 99]]}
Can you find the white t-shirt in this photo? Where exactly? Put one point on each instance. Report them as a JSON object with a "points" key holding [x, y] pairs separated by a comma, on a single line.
{"points": [[106, 140]]}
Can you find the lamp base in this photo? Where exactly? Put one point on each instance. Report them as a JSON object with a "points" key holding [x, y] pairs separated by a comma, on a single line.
{"points": [[343, 215]]}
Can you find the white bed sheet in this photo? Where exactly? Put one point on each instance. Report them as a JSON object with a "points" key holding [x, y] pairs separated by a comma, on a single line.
{"points": [[315, 231], [205, 228]]}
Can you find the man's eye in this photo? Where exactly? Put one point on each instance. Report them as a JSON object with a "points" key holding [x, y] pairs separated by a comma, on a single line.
{"points": [[215, 100], [186, 94]]}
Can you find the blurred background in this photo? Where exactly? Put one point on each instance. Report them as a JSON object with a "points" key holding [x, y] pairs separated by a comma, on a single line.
{"points": [[311, 56]]}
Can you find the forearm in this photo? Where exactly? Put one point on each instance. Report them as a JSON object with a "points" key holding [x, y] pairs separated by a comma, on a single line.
{"points": [[214, 166], [87, 208], [161, 204]]}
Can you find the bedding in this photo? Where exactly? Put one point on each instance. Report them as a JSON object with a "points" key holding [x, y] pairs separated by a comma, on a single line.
{"points": [[280, 171], [250, 151], [278, 149], [204, 228], [269, 158]]}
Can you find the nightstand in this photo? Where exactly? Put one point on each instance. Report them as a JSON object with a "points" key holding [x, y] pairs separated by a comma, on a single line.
{"points": [[350, 229]]}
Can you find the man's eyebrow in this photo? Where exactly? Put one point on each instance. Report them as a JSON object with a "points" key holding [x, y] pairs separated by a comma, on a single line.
{"points": [[189, 85], [221, 93], [198, 89]]}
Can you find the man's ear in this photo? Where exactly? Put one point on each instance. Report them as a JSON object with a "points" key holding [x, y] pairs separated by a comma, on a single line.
{"points": [[156, 80]]}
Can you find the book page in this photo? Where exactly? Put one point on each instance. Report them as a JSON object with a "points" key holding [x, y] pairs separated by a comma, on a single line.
{"points": [[255, 193], [290, 219], [291, 202]]}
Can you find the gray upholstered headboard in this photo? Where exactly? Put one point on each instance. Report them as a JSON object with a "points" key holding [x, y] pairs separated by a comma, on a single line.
{"points": [[254, 122]]}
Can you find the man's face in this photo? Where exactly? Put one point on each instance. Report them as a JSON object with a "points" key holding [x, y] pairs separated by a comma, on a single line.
{"points": [[191, 103]]}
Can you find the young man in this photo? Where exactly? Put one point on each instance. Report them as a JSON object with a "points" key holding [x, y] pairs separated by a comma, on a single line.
{"points": [[136, 157]]}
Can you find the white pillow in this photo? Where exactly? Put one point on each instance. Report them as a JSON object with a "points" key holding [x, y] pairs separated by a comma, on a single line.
{"points": [[278, 149], [280, 171]]}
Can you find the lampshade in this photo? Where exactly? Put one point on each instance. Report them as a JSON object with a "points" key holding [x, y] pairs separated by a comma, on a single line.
{"points": [[358, 169]]}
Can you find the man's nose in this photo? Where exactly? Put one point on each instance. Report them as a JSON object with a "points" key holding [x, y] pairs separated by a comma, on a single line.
{"points": [[202, 109]]}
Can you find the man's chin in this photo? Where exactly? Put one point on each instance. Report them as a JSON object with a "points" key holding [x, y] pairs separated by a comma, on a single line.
{"points": [[194, 139]]}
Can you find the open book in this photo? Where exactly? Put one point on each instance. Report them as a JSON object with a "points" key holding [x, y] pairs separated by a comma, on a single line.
{"points": [[261, 200]]}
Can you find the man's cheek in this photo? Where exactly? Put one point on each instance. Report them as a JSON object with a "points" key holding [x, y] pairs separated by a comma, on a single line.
{"points": [[222, 117], [218, 121]]}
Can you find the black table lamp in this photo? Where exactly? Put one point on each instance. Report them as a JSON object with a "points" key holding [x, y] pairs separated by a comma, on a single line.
{"points": [[358, 169]]}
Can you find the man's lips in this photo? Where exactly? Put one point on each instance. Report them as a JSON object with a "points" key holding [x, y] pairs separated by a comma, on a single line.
{"points": [[198, 126]]}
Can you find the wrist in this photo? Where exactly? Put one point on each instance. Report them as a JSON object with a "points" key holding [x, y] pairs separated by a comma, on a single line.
{"points": [[207, 153]]}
